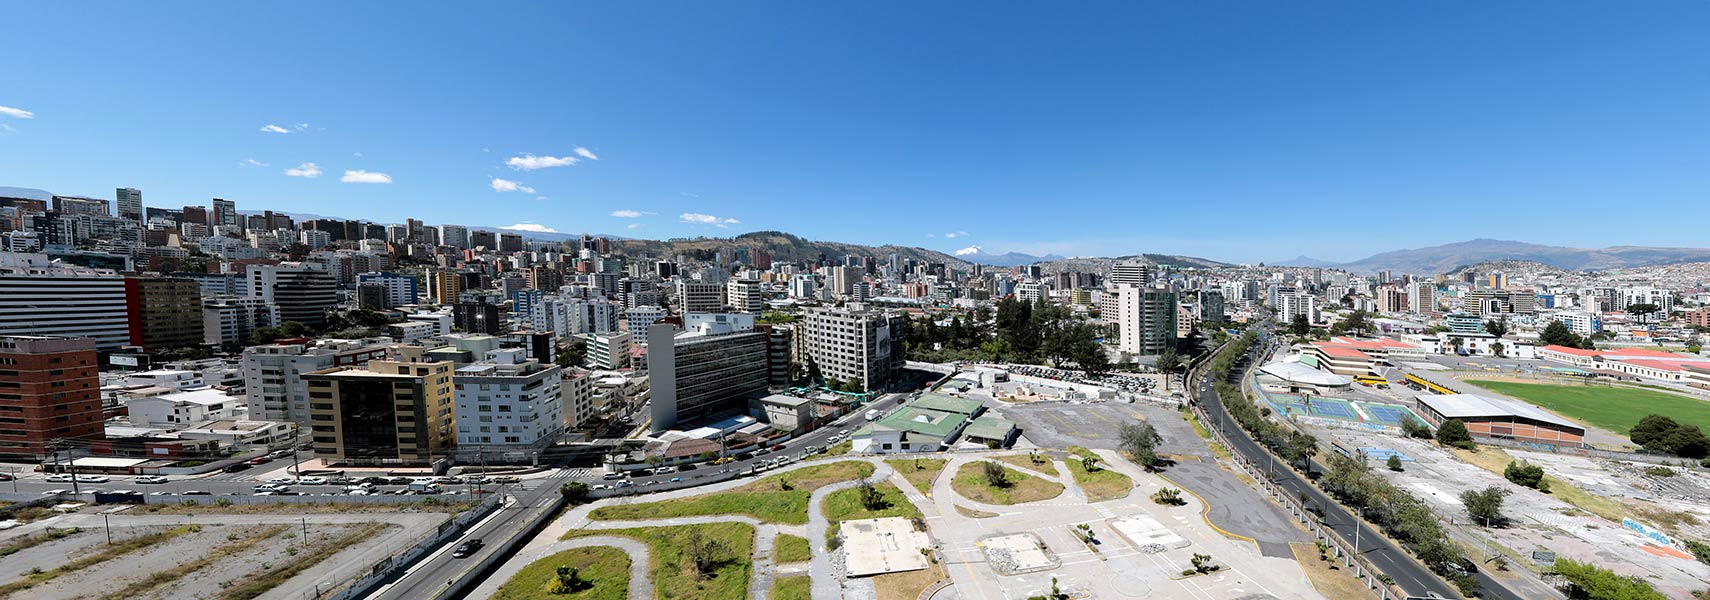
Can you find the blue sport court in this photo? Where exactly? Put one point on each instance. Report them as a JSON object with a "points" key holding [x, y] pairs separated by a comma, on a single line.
{"points": [[1383, 454], [1386, 414]]}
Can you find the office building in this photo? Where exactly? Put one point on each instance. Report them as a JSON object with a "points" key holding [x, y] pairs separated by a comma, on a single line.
{"points": [[1422, 297], [303, 293], [230, 321], [715, 365], [1129, 273], [744, 296], [131, 205], [510, 242], [508, 403], [607, 351], [49, 390], [478, 317], [396, 289], [454, 235], [387, 413], [1146, 319], [638, 318], [274, 389], [855, 344], [693, 297], [225, 215], [444, 287], [40, 297], [164, 312], [78, 205]]}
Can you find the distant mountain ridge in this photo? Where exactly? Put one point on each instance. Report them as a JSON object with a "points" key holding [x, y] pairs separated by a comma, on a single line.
{"points": [[974, 254], [781, 246], [1448, 257]]}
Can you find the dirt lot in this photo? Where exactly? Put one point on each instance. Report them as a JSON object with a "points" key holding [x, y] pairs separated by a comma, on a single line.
{"points": [[1544, 521]]}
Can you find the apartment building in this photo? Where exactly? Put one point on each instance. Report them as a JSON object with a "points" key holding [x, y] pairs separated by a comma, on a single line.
{"points": [[274, 388], [164, 312], [41, 298], [386, 413], [1146, 319], [49, 390], [857, 343], [509, 403], [713, 366], [303, 293]]}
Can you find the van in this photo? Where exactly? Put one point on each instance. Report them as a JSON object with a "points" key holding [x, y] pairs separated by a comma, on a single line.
{"points": [[611, 476]]}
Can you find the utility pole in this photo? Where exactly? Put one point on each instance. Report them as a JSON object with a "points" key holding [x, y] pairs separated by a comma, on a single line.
{"points": [[296, 441], [109, 524]]}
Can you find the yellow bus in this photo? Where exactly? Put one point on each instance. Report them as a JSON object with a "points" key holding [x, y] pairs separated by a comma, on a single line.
{"points": [[1421, 383], [1371, 380]]}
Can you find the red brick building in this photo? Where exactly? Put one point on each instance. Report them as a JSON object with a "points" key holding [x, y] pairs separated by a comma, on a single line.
{"points": [[49, 390]]}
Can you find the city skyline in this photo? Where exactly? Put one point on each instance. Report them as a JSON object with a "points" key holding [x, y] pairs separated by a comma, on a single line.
{"points": [[1361, 125]]}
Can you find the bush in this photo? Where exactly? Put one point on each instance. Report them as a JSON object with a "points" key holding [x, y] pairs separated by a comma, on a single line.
{"points": [[1454, 433], [1169, 497], [1525, 474], [1660, 472]]}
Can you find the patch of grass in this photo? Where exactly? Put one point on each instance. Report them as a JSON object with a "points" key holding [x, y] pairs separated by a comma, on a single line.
{"points": [[256, 584], [106, 553], [1026, 462], [780, 498], [840, 449], [906, 585], [673, 573], [1099, 484], [791, 549], [250, 537], [920, 472], [792, 587], [1616, 409], [845, 505], [971, 483], [1327, 576], [25, 542], [605, 569]]}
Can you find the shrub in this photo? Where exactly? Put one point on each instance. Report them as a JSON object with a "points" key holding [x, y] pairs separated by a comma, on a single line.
{"points": [[1169, 497], [1525, 474]]}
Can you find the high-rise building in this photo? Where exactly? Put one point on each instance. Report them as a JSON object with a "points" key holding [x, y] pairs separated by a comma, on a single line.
{"points": [[509, 403], [483, 239], [1291, 304], [303, 293], [478, 317], [130, 205], [273, 373], [79, 205], [607, 351], [49, 390], [399, 289], [164, 312], [454, 235], [712, 367], [1129, 273], [445, 287], [693, 297], [1146, 318], [1422, 297], [510, 242], [229, 321], [1390, 299], [386, 413], [638, 318], [225, 214], [855, 343], [40, 297], [744, 296]]}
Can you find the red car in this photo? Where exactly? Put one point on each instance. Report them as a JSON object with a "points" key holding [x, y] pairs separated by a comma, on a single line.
{"points": [[260, 460]]}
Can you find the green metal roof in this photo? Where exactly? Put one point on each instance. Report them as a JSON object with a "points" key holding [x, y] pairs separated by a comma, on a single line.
{"points": [[915, 419], [990, 428], [940, 402]]}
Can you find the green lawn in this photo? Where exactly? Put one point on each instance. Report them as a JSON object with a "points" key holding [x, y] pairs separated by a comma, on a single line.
{"points": [[766, 499], [790, 549], [793, 587], [919, 471], [1616, 409], [673, 573], [1026, 462], [971, 483], [845, 505], [605, 569], [1099, 484]]}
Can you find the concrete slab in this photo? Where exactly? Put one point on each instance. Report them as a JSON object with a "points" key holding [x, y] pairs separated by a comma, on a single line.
{"points": [[1017, 553], [1146, 533], [888, 545]]}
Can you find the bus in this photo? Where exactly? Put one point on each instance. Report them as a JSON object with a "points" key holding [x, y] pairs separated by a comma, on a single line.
{"points": [[1372, 381], [1423, 385]]}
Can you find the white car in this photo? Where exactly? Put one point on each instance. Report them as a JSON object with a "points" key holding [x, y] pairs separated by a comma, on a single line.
{"points": [[312, 481], [271, 487], [92, 479], [152, 479], [55, 492], [59, 478], [283, 480], [128, 492]]}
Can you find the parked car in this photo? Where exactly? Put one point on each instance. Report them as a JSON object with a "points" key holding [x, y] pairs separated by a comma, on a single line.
{"points": [[92, 479], [312, 481], [59, 478], [467, 548], [285, 480], [374, 480], [55, 492], [506, 479], [400, 481], [235, 467], [260, 460], [451, 479], [196, 493], [152, 479]]}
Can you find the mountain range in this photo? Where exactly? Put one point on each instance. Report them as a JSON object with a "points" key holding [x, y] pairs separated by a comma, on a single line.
{"points": [[1448, 257]]}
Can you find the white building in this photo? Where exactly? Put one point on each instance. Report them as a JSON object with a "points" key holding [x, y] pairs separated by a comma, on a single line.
{"points": [[40, 297], [231, 320], [637, 319], [608, 351], [180, 409], [507, 402], [274, 389], [1146, 320], [856, 342], [744, 296]]}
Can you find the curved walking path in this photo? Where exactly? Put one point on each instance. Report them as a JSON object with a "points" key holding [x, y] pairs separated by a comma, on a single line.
{"points": [[640, 585], [944, 493], [827, 580]]}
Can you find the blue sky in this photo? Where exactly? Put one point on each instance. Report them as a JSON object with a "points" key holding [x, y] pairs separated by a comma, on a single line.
{"points": [[1234, 131]]}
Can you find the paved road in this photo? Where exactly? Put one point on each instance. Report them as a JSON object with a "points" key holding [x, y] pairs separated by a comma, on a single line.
{"points": [[1414, 578], [433, 574]]}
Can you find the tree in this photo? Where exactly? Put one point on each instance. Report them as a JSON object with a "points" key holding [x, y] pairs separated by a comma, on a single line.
{"points": [[1140, 441], [1168, 362], [995, 474], [1168, 497], [1592, 582], [293, 329], [264, 335], [1658, 433], [1497, 328], [995, 349], [1454, 433], [573, 353], [705, 552], [1642, 311], [567, 580], [1299, 325], [1089, 463], [1202, 563], [1412, 427], [1525, 474], [574, 491], [1457, 343], [1558, 334], [1485, 506], [1496, 348], [1394, 462], [871, 497], [1300, 448]]}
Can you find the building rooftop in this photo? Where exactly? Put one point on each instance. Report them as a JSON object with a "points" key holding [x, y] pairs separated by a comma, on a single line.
{"points": [[924, 421], [1299, 373], [951, 404], [990, 427], [790, 401], [1462, 406]]}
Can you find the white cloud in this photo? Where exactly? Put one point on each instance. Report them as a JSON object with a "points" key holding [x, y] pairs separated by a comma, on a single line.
{"points": [[360, 176], [302, 127], [357, 154], [540, 198], [630, 214], [531, 227], [6, 128], [931, 235], [956, 234], [250, 162], [308, 169], [506, 185], [699, 219], [970, 250], [635, 226], [530, 162], [271, 128], [586, 153], [17, 113], [732, 221]]}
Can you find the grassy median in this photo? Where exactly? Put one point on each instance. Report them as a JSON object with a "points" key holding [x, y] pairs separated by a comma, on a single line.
{"points": [[672, 569], [1099, 484], [1019, 488], [920, 472], [602, 574]]}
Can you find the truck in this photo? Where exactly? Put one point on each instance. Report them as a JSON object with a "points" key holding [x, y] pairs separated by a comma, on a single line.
{"points": [[872, 414], [424, 487]]}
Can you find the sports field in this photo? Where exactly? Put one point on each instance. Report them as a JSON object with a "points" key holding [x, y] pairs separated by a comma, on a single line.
{"points": [[1616, 409]]}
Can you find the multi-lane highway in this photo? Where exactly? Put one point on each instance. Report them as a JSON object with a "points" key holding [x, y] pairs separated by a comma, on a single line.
{"points": [[1411, 576]]}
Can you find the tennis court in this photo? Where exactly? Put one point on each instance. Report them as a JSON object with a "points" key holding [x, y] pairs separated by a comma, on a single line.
{"points": [[1334, 409], [1383, 454], [1385, 413]]}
